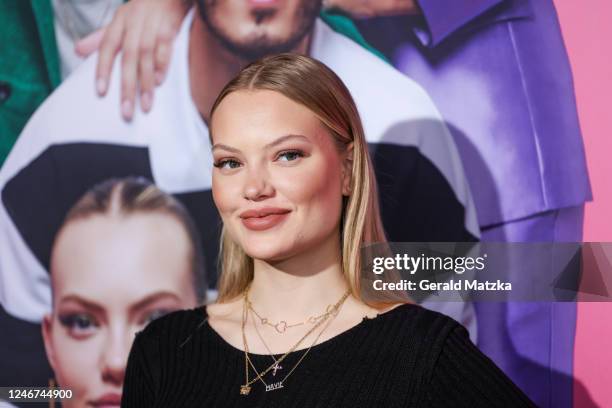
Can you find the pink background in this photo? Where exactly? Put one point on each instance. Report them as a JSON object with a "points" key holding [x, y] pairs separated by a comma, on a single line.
{"points": [[587, 31]]}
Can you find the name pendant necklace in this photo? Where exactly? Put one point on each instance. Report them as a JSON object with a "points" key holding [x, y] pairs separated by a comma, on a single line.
{"points": [[277, 366], [245, 389]]}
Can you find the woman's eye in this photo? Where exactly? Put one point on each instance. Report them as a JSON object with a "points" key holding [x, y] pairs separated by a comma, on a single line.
{"points": [[227, 164], [290, 155], [79, 324]]}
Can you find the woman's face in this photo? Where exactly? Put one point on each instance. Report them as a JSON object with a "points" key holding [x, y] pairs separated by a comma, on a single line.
{"points": [[111, 276], [279, 176]]}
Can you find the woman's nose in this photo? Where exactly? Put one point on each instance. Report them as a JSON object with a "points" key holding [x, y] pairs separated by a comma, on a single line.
{"points": [[257, 186], [115, 355]]}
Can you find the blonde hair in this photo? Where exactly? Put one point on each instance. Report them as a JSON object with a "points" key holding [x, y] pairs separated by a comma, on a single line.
{"points": [[315, 86], [128, 196]]}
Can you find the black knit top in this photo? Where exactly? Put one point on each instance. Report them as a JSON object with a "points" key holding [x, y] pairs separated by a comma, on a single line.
{"points": [[407, 357]]}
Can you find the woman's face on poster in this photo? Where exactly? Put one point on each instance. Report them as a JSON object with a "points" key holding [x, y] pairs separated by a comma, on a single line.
{"points": [[279, 176], [110, 277]]}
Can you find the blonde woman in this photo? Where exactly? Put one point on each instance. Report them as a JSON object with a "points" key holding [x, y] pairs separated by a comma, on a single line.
{"points": [[126, 254], [291, 327]]}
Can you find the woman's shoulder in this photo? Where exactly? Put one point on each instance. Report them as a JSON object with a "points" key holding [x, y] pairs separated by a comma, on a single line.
{"points": [[417, 324], [411, 313], [174, 326], [415, 337]]}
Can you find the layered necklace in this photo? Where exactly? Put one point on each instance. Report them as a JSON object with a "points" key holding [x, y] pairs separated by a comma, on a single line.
{"points": [[317, 321]]}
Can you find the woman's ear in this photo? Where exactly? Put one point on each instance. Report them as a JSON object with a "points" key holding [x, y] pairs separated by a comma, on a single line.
{"points": [[47, 325], [347, 170]]}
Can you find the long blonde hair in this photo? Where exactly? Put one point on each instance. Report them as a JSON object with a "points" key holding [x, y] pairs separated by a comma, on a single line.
{"points": [[315, 86]]}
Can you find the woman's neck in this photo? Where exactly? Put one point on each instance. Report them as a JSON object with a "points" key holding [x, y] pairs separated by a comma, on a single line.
{"points": [[301, 286]]}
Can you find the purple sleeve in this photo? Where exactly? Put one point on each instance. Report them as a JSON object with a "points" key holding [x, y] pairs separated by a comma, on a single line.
{"points": [[444, 17]]}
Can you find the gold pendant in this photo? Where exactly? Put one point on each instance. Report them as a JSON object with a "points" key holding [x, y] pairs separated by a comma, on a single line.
{"points": [[245, 389]]}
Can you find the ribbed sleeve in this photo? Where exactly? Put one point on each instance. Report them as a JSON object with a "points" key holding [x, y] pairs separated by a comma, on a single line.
{"points": [[138, 378], [464, 377]]}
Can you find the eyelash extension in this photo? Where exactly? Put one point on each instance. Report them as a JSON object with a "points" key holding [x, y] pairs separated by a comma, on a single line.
{"points": [[220, 163], [298, 152]]}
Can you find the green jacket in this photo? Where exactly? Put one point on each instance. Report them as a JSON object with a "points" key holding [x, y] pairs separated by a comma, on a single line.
{"points": [[30, 66]]}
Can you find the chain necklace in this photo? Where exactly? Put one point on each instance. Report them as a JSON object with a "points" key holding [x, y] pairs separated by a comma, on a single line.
{"points": [[276, 365], [282, 326], [67, 8], [280, 384], [245, 389]]}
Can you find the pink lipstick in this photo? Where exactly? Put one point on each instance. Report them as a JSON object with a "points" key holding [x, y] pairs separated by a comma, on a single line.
{"points": [[263, 218]]}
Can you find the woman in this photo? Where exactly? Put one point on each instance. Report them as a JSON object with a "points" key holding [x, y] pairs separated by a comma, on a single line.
{"points": [[126, 254], [292, 326]]}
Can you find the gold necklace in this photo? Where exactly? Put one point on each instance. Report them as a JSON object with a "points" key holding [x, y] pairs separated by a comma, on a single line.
{"points": [[276, 365], [245, 389], [282, 326], [280, 384]]}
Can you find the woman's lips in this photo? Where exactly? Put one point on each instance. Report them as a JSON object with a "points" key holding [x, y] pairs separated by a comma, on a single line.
{"points": [[263, 219]]}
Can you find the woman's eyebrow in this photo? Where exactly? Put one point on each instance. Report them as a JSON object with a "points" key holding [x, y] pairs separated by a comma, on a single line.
{"points": [[83, 302], [285, 138], [269, 145], [225, 147]]}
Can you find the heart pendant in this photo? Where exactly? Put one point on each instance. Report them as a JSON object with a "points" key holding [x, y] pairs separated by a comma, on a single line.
{"points": [[281, 326]]}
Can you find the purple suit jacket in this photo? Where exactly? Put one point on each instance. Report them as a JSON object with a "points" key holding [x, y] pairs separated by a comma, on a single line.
{"points": [[499, 73]]}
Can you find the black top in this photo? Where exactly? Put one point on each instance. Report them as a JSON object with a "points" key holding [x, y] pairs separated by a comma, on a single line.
{"points": [[407, 357]]}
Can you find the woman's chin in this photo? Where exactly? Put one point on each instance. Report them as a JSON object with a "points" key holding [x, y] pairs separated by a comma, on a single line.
{"points": [[268, 253]]}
